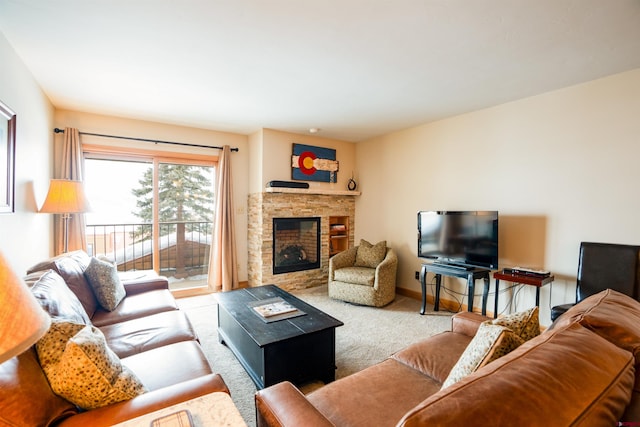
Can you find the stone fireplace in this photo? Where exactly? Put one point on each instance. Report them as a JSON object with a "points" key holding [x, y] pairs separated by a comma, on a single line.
{"points": [[264, 207]]}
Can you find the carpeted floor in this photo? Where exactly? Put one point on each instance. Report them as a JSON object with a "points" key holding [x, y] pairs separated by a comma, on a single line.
{"points": [[369, 335]]}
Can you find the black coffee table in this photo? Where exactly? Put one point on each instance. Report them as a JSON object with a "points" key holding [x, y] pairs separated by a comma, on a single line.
{"points": [[297, 349]]}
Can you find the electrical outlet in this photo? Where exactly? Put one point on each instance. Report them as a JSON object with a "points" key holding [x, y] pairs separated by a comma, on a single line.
{"points": [[417, 275]]}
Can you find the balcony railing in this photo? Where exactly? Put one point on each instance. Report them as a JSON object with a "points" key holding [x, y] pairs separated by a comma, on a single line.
{"points": [[183, 247]]}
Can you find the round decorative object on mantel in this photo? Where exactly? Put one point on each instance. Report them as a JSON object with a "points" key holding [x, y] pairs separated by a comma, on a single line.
{"points": [[352, 185]]}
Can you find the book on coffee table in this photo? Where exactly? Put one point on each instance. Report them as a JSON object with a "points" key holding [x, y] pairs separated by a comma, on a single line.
{"points": [[277, 306], [274, 309]]}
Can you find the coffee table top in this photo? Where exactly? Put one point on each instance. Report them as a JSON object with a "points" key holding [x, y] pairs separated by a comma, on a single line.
{"points": [[236, 303]]}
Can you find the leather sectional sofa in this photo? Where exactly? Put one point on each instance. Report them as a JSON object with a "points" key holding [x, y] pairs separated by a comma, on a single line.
{"points": [[583, 370], [146, 330]]}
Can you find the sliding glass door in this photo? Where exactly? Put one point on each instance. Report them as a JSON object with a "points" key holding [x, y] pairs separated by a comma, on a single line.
{"points": [[151, 213]]}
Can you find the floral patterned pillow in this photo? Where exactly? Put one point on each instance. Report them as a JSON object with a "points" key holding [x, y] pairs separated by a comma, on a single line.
{"points": [[525, 323], [369, 255], [105, 282], [81, 368], [494, 339], [490, 343]]}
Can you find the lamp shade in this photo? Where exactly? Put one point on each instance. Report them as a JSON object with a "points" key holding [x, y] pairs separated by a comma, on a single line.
{"points": [[22, 320], [64, 197]]}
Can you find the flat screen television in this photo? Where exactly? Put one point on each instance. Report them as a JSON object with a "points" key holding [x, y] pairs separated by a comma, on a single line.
{"points": [[459, 238]]}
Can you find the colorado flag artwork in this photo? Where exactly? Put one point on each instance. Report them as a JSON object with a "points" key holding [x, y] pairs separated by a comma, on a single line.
{"points": [[310, 163]]}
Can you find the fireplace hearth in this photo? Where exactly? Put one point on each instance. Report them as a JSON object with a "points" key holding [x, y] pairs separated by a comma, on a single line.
{"points": [[296, 244]]}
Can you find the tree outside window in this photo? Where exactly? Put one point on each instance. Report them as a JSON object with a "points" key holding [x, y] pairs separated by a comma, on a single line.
{"points": [[185, 204]]}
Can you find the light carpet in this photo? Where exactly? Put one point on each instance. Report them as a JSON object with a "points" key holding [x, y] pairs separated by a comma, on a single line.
{"points": [[369, 336]]}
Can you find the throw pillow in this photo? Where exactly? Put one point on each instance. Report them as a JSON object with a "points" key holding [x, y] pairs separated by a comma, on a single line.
{"points": [[55, 297], [369, 255], [105, 282], [490, 343], [81, 367], [525, 324]]}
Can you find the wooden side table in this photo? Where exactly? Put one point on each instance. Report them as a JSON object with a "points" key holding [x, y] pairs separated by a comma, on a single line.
{"points": [[522, 279], [213, 409]]}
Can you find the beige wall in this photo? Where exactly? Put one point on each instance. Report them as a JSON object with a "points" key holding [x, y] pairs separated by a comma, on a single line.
{"points": [[255, 162], [271, 151], [93, 123], [561, 168], [26, 235]]}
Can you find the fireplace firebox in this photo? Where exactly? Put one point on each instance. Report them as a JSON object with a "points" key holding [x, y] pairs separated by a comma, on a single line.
{"points": [[296, 244]]}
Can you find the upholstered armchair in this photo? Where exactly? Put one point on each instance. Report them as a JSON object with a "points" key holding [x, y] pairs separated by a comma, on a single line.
{"points": [[365, 274]]}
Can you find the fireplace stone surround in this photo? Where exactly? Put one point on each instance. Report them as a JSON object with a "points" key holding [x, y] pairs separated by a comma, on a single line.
{"points": [[263, 207]]}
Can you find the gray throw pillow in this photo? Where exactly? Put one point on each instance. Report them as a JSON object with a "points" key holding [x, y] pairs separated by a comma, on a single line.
{"points": [[105, 282], [55, 297]]}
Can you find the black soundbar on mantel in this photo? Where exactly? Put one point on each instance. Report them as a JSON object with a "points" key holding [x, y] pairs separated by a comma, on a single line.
{"points": [[288, 184]]}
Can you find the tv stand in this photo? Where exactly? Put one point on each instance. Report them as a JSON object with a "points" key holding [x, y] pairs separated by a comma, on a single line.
{"points": [[470, 273], [454, 266]]}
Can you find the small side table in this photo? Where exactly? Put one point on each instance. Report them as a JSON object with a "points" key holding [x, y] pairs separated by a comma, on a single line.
{"points": [[213, 409], [471, 274], [522, 279]]}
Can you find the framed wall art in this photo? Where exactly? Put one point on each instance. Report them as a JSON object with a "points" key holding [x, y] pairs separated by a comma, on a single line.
{"points": [[310, 163], [7, 159]]}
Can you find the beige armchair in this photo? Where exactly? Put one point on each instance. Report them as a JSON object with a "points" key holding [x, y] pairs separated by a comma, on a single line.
{"points": [[365, 274]]}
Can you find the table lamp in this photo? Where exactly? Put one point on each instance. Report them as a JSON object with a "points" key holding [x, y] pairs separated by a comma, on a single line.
{"points": [[65, 197], [22, 320]]}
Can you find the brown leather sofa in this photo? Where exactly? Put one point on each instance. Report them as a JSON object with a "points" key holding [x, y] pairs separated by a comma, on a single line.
{"points": [[148, 332], [581, 371]]}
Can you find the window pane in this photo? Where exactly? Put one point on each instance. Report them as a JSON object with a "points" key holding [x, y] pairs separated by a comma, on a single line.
{"points": [[186, 214], [120, 225], [109, 186], [115, 227]]}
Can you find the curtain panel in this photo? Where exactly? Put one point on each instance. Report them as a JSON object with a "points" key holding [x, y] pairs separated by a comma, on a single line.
{"points": [[223, 270], [71, 166]]}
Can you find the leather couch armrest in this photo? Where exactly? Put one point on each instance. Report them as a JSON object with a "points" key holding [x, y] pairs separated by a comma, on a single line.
{"points": [[148, 402], [284, 405], [145, 284], [467, 323]]}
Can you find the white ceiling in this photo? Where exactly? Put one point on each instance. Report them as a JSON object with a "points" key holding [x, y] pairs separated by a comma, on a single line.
{"points": [[354, 68]]}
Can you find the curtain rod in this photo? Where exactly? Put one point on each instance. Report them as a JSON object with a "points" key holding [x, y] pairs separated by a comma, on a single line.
{"points": [[155, 141]]}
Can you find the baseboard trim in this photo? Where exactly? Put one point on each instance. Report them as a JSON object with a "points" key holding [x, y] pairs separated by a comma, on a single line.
{"points": [[411, 294]]}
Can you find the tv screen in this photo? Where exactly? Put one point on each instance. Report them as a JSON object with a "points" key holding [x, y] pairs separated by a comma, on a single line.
{"points": [[466, 238]]}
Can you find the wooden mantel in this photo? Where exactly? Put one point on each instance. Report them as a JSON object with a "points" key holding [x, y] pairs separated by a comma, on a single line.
{"points": [[311, 191]]}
